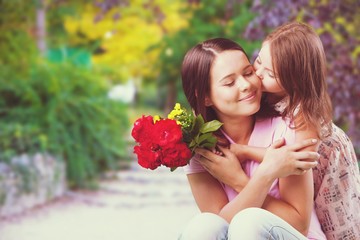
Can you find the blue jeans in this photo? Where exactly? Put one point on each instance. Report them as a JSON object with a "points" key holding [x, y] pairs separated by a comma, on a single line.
{"points": [[251, 223]]}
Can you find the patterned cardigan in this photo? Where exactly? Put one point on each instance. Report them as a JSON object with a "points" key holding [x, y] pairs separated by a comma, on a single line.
{"points": [[337, 187]]}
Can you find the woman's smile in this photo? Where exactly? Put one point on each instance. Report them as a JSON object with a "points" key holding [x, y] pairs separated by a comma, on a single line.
{"points": [[248, 97]]}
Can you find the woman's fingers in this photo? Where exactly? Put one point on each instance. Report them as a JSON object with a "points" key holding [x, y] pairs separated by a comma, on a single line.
{"points": [[224, 150], [202, 151], [206, 154], [227, 153]]}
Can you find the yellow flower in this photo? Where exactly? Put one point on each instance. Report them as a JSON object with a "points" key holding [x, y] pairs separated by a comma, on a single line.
{"points": [[177, 106], [176, 111], [156, 118], [171, 115]]}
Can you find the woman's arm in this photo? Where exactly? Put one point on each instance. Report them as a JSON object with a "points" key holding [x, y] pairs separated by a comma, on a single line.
{"points": [[254, 194], [297, 190], [207, 191], [297, 201]]}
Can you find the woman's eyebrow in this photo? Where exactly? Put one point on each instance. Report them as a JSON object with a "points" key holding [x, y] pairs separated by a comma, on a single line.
{"points": [[232, 74]]}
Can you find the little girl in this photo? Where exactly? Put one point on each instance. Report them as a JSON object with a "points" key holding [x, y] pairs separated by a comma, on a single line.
{"points": [[292, 67]]}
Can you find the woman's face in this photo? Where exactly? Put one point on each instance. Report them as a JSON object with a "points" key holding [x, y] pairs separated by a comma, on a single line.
{"points": [[235, 90], [264, 70]]}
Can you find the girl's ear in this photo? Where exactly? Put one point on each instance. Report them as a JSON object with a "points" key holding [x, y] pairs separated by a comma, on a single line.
{"points": [[208, 102]]}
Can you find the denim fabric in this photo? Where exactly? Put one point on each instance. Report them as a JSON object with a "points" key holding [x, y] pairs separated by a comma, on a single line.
{"points": [[249, 224], [205, 226], [257, 223]]}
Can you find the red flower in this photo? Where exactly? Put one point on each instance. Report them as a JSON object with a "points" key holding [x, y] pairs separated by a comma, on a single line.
{"points": [[167, 131], [147, 158], [160, 143], [142, 129], [176, 155], [163, 142]]}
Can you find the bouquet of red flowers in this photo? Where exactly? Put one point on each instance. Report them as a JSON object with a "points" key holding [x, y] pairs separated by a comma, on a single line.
{"points": [[171, 141]]}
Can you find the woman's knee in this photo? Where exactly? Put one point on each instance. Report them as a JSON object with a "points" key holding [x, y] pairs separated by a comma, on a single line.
{"points": [[248, 216], [205, 226], [257, 223], [249, 222]]}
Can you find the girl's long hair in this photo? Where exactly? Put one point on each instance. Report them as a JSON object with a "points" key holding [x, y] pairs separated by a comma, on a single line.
{"points": [[299, 64]]}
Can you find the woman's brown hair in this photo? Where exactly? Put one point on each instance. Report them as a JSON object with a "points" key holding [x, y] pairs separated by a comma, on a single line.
{"points": [[299, 64], [195, 74]]}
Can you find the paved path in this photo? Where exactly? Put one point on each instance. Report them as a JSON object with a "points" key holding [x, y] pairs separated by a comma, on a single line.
{"points": [[138, 205]]}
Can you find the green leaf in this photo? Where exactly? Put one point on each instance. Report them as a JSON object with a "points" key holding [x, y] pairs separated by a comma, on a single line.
{"points": [[204, 137], [211, 126], [212, 139], [208, 145], [198, 123], [192, 144]]}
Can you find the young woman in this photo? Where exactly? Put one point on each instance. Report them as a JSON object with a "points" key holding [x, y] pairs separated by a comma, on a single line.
{"points": [[220, 83]]}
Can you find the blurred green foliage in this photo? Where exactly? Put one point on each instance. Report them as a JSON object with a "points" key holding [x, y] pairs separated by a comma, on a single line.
{"points": [[63, 110], [209, 19], [59, 107]]}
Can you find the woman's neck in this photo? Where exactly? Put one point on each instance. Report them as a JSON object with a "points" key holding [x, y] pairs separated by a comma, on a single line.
{"points": [[239, 130]]}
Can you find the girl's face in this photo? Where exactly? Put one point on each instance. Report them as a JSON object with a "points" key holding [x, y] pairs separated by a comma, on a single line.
{"points": [[235, 90], [264, 70]]}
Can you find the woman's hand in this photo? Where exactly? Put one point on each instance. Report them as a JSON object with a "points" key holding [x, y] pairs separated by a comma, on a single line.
{"points": [[281, 161], [226, 168]]}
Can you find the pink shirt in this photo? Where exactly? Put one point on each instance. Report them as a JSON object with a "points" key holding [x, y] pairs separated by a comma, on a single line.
{"points": [[264, 134]]}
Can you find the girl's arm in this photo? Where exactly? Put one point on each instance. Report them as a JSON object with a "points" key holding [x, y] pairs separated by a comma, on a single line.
{"points": [[288, 158], [244, 152], [204, 186]]}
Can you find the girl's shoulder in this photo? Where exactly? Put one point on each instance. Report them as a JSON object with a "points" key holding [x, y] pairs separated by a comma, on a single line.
{"points": [[275, 128]]}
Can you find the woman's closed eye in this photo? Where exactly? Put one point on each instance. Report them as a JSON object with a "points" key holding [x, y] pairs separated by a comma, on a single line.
{"points": [[229, 83]]}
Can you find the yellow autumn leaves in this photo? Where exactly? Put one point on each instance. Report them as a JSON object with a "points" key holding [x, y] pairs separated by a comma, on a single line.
{"points": [[125, 43]]}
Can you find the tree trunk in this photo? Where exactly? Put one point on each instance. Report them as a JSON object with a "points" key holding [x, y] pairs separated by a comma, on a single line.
{"points": [[41, 27], [170, 97]]}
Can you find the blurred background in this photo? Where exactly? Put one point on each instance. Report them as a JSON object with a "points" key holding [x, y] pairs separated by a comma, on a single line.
{"points": [[76, 74]]}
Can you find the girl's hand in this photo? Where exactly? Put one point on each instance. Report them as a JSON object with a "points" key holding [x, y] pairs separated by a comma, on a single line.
{"points": [[227, 168], [282, 161], [239, 150]]}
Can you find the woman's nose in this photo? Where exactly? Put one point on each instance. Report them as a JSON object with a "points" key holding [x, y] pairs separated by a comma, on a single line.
{"points": [[243, 84]]}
